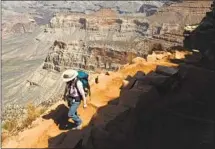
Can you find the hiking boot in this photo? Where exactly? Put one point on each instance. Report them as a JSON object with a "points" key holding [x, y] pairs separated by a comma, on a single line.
{"points": [[70, 120], [77, 127]]}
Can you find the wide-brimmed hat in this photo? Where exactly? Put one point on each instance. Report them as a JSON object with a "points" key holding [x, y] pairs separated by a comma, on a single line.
{"points": [[69, 75]]}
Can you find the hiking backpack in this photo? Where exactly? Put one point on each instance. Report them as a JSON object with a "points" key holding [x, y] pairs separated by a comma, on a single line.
{"points": [[83, 77]]}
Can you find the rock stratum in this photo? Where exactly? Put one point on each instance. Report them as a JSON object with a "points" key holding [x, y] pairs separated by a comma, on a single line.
{"points": [[114, 35], [42, 11], [79, 41], [144, 104], [150, 103]]}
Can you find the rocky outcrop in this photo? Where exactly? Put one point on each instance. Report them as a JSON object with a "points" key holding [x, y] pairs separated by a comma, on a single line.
{"points": [[156, 110], [167, 25], [113, 36], [202, 38], [95, 56], [104, 39], [104, 20], [151, 104]]}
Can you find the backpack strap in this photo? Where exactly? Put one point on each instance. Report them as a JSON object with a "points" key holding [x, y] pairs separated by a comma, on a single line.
{"points": [[76, 86]]}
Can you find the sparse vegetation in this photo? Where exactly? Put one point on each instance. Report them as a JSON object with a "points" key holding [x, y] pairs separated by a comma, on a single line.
{"points": [[9, 125], [33, 113]]}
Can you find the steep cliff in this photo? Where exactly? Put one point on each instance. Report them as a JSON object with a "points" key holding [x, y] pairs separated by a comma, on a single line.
{"points": [[111, 33], [164, 109], [144, 105], [167, 25], [81, 41], [172, 110], [103, 39], [202, 38]]}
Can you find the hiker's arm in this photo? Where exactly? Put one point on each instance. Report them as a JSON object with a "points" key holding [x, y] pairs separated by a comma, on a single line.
{"points": [[81, 90]]}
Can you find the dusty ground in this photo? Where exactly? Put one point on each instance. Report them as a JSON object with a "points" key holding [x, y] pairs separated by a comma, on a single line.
{"points": [[48, 126]]}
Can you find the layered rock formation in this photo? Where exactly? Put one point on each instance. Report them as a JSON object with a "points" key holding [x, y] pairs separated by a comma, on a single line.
{"points": [[168, 107], [95, 55], [109, 32], [104, 40], [172, 110], [167, 25], [202, 38], [105, 20]]}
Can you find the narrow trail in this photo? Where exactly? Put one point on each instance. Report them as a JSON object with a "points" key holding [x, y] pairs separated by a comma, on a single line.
{"points": [[49, 125]]}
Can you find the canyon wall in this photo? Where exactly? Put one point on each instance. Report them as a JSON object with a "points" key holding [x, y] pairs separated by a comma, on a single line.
{"points": [[118, 35], [202, 38], [99, 40], [167, 25]]}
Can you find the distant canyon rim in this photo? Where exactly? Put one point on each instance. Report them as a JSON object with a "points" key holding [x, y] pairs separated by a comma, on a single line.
{"points": [[36, 51]]}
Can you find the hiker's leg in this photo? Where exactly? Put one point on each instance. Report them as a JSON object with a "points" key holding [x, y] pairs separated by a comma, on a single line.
{"points": [[73, 113]]}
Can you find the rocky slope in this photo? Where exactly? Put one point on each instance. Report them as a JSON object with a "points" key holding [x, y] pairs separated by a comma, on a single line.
{"points": [[80, 41], [167, 25], [141, 94], [119, 33], [172, 107], [35, 44], [158, 111], [202, 38], [100, 96]]}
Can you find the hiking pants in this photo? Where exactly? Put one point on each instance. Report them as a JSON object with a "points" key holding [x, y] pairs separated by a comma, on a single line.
{"points": [[73, 111]]}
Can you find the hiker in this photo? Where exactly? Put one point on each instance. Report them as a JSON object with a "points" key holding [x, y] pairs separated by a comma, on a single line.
{"points": [[74, 93]]}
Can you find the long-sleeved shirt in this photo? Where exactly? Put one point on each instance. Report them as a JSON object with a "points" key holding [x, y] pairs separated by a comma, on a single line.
{"points": [[73, 92]]}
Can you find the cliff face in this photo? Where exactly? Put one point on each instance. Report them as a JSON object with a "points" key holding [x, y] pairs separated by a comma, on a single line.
{"points": [[167, 25], [99, 40], [144, 105], [167, 108], [96, 55], [164, 109], [103, 20], [202, 38], [110, 34], [172, 110]]}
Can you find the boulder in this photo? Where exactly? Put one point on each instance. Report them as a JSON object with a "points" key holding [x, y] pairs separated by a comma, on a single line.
{"points": [[161, 54], [158, 55], [138, 60], [130, 84], [151, 58], [131, 97], [125, 83], [139, 74], [151, 80], [108, 113], [179, 55], [169, 71]]}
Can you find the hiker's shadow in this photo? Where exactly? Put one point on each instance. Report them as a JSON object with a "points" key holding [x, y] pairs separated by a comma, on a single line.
{"points": [[60, 117]]}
